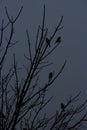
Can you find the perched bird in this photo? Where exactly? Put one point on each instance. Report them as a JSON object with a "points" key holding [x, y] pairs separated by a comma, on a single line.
{"points": [[48, 41], [58, 40], [62, 107], [50, 76]]}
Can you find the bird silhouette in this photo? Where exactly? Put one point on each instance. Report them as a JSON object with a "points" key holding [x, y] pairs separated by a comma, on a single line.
{"points": [[62, 107], [50, 76], [58, 40], [48, 42]]}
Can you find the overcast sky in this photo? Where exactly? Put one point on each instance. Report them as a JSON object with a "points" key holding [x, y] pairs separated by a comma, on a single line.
{"points": [[74, 38]]}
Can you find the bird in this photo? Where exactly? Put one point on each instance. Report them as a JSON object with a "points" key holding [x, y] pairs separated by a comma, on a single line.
{"points": [[50, 76], [63, 107], [58, 40], [48, 41]]}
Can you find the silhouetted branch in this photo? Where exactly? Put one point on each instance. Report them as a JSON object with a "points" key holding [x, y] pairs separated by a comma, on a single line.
{"points": [[29, 44], [11, 19], [22, 97]]}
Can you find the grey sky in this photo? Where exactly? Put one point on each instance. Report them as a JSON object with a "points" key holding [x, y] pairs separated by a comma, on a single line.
{"points": [[74, 38]]}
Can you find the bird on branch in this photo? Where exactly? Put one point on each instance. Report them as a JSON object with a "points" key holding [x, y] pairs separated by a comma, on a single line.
{"points": [[63, 107], [50, 76], [58, 40]]}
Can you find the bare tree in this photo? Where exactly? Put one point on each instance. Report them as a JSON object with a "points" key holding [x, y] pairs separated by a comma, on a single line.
{"points": [[21, 101]]}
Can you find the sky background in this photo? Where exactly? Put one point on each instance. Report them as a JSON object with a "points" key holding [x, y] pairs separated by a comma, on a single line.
{"points": [[74, 40]]}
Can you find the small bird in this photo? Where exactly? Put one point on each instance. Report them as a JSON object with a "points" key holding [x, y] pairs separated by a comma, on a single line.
{"points": [[48, 41], [50, 76], [62, 107], [58, 40]]}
